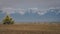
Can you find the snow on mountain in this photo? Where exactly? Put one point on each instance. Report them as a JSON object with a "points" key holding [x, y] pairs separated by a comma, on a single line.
{"points": [[34, 15]]}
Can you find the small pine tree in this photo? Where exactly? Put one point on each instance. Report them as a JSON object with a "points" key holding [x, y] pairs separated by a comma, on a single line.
{"points": [[8, 20]]}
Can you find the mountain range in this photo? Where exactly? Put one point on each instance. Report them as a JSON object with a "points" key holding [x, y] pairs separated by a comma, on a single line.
{"points": [[51, 15]]}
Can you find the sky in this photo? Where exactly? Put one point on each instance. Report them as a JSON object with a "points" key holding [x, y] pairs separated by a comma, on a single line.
{"points": [[31, 10]]}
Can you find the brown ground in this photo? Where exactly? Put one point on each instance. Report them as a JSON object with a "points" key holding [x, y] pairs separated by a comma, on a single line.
{"points": [[30, 29]]}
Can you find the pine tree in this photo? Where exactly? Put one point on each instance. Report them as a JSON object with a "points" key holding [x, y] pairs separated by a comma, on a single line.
{"points": [[8, 20]]}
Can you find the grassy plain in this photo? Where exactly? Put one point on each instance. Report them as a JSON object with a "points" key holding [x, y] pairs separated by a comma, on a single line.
{"points": [[30, 29]]}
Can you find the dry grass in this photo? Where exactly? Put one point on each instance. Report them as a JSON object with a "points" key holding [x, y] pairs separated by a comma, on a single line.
{"points": [[30, 29]]}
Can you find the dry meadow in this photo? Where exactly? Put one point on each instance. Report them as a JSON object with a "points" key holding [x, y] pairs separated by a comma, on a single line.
{"points": [[30, 29]]}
